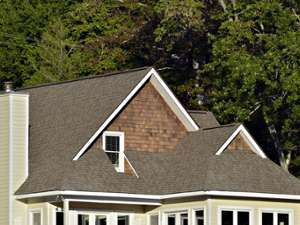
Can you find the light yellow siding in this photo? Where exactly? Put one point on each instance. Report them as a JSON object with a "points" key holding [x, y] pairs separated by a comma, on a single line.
{"points": [[4, 146], [13, 156], [19, 142], [47, 211]]}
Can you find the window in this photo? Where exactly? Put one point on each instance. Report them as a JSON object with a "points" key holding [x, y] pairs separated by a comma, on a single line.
{"points": [[35, 217], [113, 145], [199, 217], [270, 217], [171, 219], [59, 218], [153, 219], [100, 220], [83, 219], [123, 220], [235, 217], [184, 219], [177, 218]]}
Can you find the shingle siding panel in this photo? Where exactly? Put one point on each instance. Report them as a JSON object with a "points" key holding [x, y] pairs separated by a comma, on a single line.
{"points": [[148, 123]]}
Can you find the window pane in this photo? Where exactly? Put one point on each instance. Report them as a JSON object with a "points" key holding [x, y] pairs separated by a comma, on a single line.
{"points": [[199, 217], [227, 218], [171, 219], [36, 218], [114, 157], [112, 143], [283, 219], [154, 220], [267, 219], [183, 219], [123, 220], [83, 219], [243, 218], [59, 218], [100, 220]]}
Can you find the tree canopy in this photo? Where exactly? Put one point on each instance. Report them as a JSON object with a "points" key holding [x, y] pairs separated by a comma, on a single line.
{"points": [[237, 58]]}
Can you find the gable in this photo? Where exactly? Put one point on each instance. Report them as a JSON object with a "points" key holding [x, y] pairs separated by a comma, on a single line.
{"points": [[148, 123], [165, 93], [241, 139], [239, 143]]}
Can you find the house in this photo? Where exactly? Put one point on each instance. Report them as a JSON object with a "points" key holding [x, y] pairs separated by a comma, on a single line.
{"points": [[120, 149]]}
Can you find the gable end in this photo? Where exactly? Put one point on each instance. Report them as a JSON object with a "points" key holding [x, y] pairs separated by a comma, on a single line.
{"points": [[241, 138]]}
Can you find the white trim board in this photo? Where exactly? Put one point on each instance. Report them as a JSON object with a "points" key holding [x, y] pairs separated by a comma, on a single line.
{"points": [[167, 95], [162, 197], [249, 139]]}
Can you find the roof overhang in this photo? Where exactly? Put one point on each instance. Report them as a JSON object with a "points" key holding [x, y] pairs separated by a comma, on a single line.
{"points": [[248, 138], [144, 199], [166, 94]]}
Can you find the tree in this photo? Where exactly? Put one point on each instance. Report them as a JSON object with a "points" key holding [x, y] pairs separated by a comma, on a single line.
{"points": [[255, 65], [55, 58]]}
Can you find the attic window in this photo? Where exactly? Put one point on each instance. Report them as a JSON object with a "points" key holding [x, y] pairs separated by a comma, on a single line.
{"points": [[113, 145]]}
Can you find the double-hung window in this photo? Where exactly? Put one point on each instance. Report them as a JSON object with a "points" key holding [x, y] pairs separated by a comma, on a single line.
{"points": [[276, 217], [230, 216], [113, 145]]}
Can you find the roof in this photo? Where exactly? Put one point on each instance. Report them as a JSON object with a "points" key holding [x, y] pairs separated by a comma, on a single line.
{"points": [[63, 116], [204, 118]]}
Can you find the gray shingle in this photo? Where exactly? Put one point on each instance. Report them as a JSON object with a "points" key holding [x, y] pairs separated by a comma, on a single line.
{"points": [[64, 116]]}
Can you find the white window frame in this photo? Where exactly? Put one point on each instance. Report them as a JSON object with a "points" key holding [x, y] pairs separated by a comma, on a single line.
{"points": [[177, 215], [275, 213], [121, 135], [194, 210], [235, 210], [32, 211], [149, 217], [130, 215]]}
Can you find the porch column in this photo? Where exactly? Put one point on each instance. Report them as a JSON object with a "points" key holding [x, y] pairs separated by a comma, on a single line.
{"points": [[66, 212]]}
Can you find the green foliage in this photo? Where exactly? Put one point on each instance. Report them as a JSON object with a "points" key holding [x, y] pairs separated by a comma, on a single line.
{"points": [[256, 64], [237, 58]]}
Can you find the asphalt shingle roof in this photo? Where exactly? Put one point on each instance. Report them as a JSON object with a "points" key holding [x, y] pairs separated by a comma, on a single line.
{"points": [[64, 116]]}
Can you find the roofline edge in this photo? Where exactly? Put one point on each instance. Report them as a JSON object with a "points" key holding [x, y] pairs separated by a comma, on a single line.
{"points": [[162, 197]]}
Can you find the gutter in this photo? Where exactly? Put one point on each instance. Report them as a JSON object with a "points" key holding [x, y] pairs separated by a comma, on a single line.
{"points": [[159, 198]]}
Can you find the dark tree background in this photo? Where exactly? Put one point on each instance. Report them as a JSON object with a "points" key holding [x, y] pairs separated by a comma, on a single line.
{"points": [[237, 58]]}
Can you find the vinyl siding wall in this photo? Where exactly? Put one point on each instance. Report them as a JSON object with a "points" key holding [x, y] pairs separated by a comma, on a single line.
{"points": [[13, 156], [19, 142], [4, 145]]}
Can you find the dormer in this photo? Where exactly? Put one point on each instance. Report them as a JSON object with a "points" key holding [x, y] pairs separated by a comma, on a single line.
{"points": [[149, 119]]}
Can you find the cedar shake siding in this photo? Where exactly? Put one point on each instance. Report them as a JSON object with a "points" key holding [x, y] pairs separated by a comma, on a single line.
{"points": [[239, 143], [148, 123]]}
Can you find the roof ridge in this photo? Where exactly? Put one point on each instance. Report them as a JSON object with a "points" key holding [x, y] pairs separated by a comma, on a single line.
{"points": [[113, 73], [222, 126]]}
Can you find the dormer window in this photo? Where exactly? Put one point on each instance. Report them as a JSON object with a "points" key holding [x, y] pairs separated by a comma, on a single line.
{"points": [[113, 145]]}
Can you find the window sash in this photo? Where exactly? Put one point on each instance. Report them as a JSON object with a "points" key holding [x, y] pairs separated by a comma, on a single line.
{"points": [[32, 218], [276, 216], [235, 213], [116, 156]]}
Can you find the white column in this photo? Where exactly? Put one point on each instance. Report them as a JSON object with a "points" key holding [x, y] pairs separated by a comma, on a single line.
{"points": [[66, 212]]}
